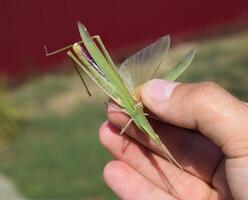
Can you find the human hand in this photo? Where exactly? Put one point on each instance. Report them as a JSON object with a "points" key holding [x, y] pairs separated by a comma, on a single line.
{"points": [[206, 130]]}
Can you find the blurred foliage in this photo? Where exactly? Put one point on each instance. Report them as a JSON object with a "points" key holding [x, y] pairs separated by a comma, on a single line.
{"points": [[58, 155], [222, 60], [10, 119]]}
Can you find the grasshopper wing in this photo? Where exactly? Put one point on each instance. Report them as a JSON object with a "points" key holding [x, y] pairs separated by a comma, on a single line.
{"points": [[181, 66], [142, 66]]}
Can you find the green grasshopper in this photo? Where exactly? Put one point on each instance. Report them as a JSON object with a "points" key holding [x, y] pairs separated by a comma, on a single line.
{"points": [[123, 85]]}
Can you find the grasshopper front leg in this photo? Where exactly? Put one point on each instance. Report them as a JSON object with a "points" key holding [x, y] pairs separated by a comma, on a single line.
{"points": [[105, 52], [123, 129], [81, 77]]}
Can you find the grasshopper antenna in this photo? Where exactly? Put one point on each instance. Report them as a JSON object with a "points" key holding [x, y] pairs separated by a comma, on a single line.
{"points": [[70, 46], [59, 50], [74, 65], [46, 51]]}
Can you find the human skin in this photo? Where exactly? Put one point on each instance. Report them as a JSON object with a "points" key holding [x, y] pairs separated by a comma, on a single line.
{"points": [[206, 130]]}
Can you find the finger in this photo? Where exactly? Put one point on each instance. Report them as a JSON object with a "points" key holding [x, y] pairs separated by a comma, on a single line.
{"points": [[189, 149], [220, 181], [204, 106], [157, 170], [128, 184]]}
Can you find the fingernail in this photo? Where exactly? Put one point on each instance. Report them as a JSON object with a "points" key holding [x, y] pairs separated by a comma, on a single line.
{"points": [[159, 90], [112, 107]]}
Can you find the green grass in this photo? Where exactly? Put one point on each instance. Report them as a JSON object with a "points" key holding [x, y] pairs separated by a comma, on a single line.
{"points": [[57, 153], [60, 157]]}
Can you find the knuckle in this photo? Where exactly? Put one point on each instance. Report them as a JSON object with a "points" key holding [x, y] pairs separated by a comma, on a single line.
{"points": [[236, 147], [208, 87], [204, 92]]}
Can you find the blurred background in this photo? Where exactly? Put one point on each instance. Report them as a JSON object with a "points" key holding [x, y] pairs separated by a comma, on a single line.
{"points": [[49, 144]]}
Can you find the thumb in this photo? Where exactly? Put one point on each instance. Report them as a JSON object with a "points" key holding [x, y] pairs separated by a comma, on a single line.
{"points": [[203, 106]]}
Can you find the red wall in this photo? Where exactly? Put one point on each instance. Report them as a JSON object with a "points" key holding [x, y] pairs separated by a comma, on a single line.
{"points": [[27, 25]]}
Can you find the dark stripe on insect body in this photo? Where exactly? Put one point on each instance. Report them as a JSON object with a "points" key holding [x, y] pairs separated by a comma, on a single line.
{"points": [[91, 61]]}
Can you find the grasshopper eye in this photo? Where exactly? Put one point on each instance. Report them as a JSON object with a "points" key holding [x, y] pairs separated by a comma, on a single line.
{"points": [[81, 51]]}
